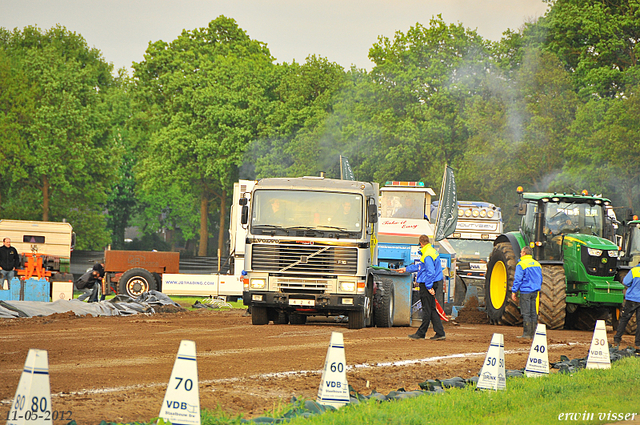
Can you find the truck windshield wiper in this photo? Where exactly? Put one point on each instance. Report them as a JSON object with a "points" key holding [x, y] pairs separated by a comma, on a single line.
{"points": [[300, 228], [342, 229], [268, 227]]}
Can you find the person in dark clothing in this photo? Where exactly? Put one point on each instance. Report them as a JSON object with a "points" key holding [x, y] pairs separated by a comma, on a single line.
{"points": [[90, 283], [527, 280], [631, 306], [9, 261], [429, 278]]}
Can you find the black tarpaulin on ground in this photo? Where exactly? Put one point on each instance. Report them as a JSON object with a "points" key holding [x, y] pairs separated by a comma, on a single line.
{"points": [[120, 305]]}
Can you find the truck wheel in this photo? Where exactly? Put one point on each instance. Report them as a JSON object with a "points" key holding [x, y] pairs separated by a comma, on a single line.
{"points": [[259, 315], [356, 319], [280, 318], [297, 319], [460, 291], [134, 282], [384, 304], [500, 272], [552, 308]]}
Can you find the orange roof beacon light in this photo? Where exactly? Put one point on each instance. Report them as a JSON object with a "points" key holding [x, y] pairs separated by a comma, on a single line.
{"points": [[519, 190], [585, 192], [635, 217]]}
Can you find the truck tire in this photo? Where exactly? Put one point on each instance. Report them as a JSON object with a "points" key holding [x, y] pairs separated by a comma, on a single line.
{"points": [[356, 319], [297, 319], [384, 304], [134, 282], [552, 308], [460, 291], [259, 315], [500, 272], [363, 318], [280, 318]]}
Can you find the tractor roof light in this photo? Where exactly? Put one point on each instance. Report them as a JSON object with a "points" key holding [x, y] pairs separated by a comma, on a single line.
{"points": [[607, 203], [467, 213], [519, 190], [598, 201], [490, 214], [404, 184], [584, 192], [475, 213], [555, 199], [545, 199], [483, 213], [635, 217], [460, 212]]}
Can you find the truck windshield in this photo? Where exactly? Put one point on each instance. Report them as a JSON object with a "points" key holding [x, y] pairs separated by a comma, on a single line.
{"points": [[565, 217], [300, 210], [471, 249], [402, 205]]}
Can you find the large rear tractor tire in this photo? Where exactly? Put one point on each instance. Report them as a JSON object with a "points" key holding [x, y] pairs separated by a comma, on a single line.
{"points": [[552, 308], [384, 303], [500, 272], [135, 282]]}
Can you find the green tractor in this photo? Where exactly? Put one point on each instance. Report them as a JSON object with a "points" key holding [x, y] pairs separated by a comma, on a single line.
{"points": [[568, 234], [629, 231]]}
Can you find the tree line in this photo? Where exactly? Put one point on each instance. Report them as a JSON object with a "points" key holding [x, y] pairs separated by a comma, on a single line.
{"points": [[552, 106]]}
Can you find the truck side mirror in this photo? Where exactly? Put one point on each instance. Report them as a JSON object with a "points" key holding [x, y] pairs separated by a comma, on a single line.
{"points": [[242, 201], [372, 212], [245, 214]]}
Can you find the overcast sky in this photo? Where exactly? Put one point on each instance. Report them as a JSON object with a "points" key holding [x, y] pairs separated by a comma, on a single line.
{"points": [[340, 30]]}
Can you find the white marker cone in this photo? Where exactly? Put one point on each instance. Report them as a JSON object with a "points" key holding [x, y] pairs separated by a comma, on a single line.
{"points": [[599, 351], [538, 361], [181, 403], [492, 374], [334, 389], [32, 403]]}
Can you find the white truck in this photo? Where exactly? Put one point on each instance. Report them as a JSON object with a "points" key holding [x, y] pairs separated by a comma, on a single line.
{"points": [[311, 250]]}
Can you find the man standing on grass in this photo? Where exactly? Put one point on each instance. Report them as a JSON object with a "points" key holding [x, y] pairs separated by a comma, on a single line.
{"points": [[429, 278]]}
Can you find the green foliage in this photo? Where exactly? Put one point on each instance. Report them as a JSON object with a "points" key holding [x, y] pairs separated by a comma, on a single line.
{"points": [[203, 98], [61, 151]]}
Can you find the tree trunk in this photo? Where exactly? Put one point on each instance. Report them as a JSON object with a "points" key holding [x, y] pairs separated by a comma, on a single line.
{"points": [[204, 231], [45, 199], [223, 213]]}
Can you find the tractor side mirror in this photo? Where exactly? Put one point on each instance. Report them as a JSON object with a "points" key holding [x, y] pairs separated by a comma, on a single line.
{"points": [[521, 208]]}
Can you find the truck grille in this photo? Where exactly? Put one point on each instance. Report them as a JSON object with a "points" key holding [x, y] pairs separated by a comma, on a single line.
{"points": [[304, 259], [293, 284]]}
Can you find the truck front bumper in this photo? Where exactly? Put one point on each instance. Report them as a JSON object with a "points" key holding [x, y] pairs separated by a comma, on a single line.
{"points": [[319, 303]]}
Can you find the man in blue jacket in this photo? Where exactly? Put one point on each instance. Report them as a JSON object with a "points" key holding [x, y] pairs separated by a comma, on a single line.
{"points": [[527, 280], [631, 305], [429, 277]]}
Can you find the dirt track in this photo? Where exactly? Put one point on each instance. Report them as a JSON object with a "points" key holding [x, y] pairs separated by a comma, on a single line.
{"points": [[116, 368]]}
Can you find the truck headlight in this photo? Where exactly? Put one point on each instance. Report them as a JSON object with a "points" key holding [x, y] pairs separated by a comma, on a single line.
{"points": [[258, 283], [594, 252], [613, 254], [347, 286]]}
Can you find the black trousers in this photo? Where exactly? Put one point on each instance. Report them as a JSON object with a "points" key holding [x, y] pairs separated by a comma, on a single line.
{"points": [[429, 312], [628, 309]]}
